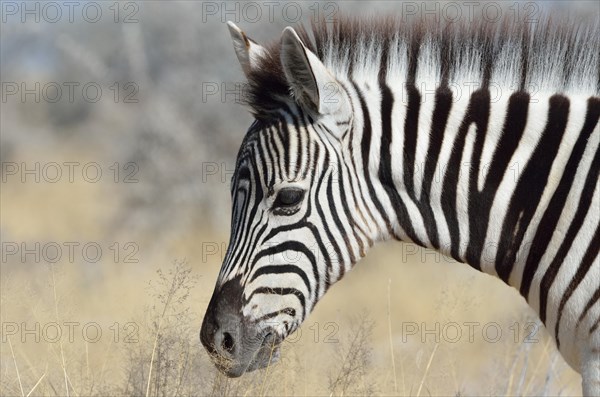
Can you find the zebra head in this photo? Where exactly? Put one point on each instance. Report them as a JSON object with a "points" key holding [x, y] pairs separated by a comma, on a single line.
{"points": [[294, 229]]}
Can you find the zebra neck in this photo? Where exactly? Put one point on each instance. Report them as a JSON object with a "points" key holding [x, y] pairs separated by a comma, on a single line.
{"points": [[425, 155], [464, 175]]}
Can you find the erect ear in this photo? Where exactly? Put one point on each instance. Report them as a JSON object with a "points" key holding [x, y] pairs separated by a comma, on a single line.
{"points": [[247, 50], [313, 85]]}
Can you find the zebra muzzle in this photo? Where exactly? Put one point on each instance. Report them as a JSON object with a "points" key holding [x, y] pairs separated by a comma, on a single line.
{"points": [[235, 344]]}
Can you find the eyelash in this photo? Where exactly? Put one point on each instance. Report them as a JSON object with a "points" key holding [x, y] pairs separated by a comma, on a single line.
{"points": [[294, 196]]}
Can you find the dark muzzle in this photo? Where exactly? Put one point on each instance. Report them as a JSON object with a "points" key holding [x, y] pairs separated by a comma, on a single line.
{"points": [[235, 344]]}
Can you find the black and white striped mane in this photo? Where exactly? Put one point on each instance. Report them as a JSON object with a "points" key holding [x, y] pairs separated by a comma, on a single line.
{"points": [[554, 53]]}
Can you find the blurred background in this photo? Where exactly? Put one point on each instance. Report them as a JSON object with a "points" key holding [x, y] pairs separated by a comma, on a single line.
{"points": [[120, 123]]}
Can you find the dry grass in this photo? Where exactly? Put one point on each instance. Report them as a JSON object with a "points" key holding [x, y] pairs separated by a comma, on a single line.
{"points": [[150, 319], [350, 372], [164, 357]]}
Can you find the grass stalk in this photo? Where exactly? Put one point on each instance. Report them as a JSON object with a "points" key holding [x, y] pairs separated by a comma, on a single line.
{"points": [[427, 369], [36, 385], [262, 388], [170, 295], [389, 318], [62, 353], [16, 366], [542, 359]]}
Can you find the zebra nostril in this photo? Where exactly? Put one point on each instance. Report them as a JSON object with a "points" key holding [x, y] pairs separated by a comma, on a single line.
{"points": [[268, 339], [227, 344]]}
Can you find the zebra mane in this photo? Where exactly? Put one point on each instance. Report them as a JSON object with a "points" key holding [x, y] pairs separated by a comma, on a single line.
{"points": [[553, 53]]}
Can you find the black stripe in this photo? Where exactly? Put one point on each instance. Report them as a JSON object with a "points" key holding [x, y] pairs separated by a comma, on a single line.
{"points": [[247, 247], [477, 113], [552, 214], [352, 171], [316, 234], [526, 197], [385, 164], [264, 155], [365, 149], [411, 125], [309, 144], [249, 240], [352, 186], [285, 138], [292, 246], [594, 327], [299, 147], [480, 202], [358, 187], [240, 224], [355, 226], [587, 307], [288, 310], [282, 269], [441, 112], [586, 263], [279, 291], [277, 160], [325, 225], [349, 216], [476, 231], [338, 222]]}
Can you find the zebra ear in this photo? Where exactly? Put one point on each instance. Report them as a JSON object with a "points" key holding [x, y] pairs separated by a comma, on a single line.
{"points": [[312, 84], [247, 50]]}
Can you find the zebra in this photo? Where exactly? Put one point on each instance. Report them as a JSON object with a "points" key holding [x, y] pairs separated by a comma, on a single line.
{"points": [[346, 112]]}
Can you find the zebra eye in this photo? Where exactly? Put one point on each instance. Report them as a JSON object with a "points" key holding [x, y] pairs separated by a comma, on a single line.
{"points": [[288, 197]]}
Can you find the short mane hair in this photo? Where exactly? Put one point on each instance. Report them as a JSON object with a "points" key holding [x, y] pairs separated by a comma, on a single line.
{"points": [[553, 53]]}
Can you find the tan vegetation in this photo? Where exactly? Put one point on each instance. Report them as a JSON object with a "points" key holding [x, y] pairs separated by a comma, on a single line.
{"points": [[150, 313]]}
